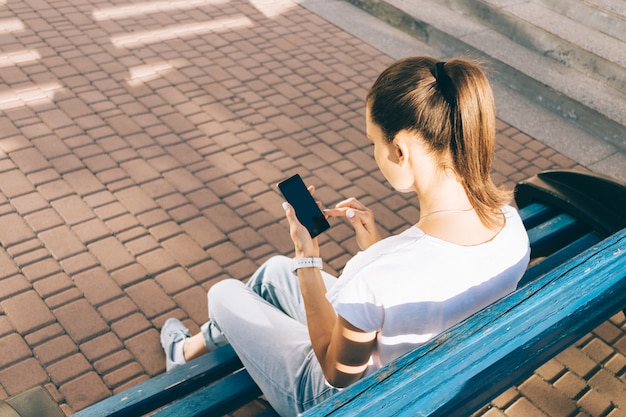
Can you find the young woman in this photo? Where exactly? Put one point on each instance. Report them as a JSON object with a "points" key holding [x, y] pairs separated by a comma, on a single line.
{"points": [[303, 334]]}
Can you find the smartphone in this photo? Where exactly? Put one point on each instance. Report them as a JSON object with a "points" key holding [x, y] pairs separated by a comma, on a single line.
{"points": [[307, 211]]}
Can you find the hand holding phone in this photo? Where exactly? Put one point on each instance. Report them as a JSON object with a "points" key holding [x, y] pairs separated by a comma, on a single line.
{"points": [[307, 211]]}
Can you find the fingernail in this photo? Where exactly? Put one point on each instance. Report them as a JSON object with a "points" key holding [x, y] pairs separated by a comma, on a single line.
{"points": [[285, 206], [350, 213]]}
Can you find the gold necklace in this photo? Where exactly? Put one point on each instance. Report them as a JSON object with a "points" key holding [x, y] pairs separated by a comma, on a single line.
{"points": [[445, 211]]}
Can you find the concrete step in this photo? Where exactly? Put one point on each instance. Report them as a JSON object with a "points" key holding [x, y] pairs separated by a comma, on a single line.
{"points": [[567, 41], [518, 40], [605, 16]]}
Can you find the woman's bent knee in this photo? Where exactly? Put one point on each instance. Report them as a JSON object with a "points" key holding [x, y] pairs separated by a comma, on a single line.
{"points": [[221, 295]]}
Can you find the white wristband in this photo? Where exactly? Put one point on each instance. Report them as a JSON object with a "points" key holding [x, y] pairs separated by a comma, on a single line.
{"points": [[297, 263]]}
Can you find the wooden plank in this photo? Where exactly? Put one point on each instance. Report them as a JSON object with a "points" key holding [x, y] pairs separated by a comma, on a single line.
{"points": [[555, 233], [471, 363], [559, 257], [535, 214], [216, 399], [166, 387]]}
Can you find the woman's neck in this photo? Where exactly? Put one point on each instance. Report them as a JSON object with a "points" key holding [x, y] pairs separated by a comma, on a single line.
{"points": [[444, 192]]}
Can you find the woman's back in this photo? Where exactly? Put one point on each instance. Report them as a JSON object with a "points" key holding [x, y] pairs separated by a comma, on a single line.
{"points": [[412, 286]]}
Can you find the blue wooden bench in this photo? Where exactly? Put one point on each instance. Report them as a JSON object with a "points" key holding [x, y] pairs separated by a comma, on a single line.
{"points": [[576, 281]]}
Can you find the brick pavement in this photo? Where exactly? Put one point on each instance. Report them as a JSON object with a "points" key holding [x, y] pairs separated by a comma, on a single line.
{"points": [[139, 145]]}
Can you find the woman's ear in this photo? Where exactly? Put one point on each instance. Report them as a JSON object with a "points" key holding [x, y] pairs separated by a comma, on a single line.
{"points": [[401, 147]]}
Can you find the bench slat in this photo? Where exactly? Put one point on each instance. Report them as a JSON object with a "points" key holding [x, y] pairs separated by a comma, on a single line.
{"points": [[559, 257], [166, 387], [555, 233], [217, 399], [465, 367], [534, 214]]}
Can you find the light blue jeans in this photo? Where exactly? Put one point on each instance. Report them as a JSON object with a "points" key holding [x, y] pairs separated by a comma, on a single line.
{"points": [[264, 321]]}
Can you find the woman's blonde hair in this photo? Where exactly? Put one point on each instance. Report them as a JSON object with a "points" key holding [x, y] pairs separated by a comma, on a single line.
{"points": [[450, 104]]}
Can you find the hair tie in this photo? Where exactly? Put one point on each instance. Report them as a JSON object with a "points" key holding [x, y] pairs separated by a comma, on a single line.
{"points": [[439, 71], [444, 82]]}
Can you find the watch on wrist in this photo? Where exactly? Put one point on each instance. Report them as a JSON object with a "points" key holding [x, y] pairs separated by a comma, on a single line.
{"points": [[297, 263]]}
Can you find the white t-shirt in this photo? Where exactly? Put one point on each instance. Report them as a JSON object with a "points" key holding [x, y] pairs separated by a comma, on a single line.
{"points": [[412, 286]]}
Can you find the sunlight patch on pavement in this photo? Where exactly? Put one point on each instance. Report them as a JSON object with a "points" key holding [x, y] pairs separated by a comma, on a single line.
{"points": [[30, 96], [179, 31], [272, 8], [16, 58], [150, 7], [11, 25], [144, 73]]}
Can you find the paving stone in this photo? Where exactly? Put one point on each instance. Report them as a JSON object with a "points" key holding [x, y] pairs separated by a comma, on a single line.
{"points": [[203, 231], [113, 361], [140, 171], [524, 408], [89, 325], [598, 350], [61, 242], [571, 385], [7, 266], [55, 189], [551, 370], [68, 368], [616, 413], [14, 230], [44, 220], [52, 350], [97, 285], [617, 364], [194, 302], [594, 404], [84, 390], [123, 374], [14, 349], [185, 250], [83, 182], [547, 398], [118, 309], [91, 230], [183, 180], [73, 210], [175, 280], [29, 203], [136, 200], [608, 331], [609, 387], [101, 346], [577, 361], [130, 326], [150, 298], [78, 263], [27, 312], [44, 334], [146, 347], [5, 326], [64, 297], [111, 253], [22, 376], [14, 183], [13, 285]]}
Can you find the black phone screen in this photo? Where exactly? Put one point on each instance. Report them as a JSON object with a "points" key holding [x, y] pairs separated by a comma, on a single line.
{"points": [[307, 211]]}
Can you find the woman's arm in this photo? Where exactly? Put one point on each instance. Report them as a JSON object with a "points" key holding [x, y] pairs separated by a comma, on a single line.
{"points": [[342, 349]]}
